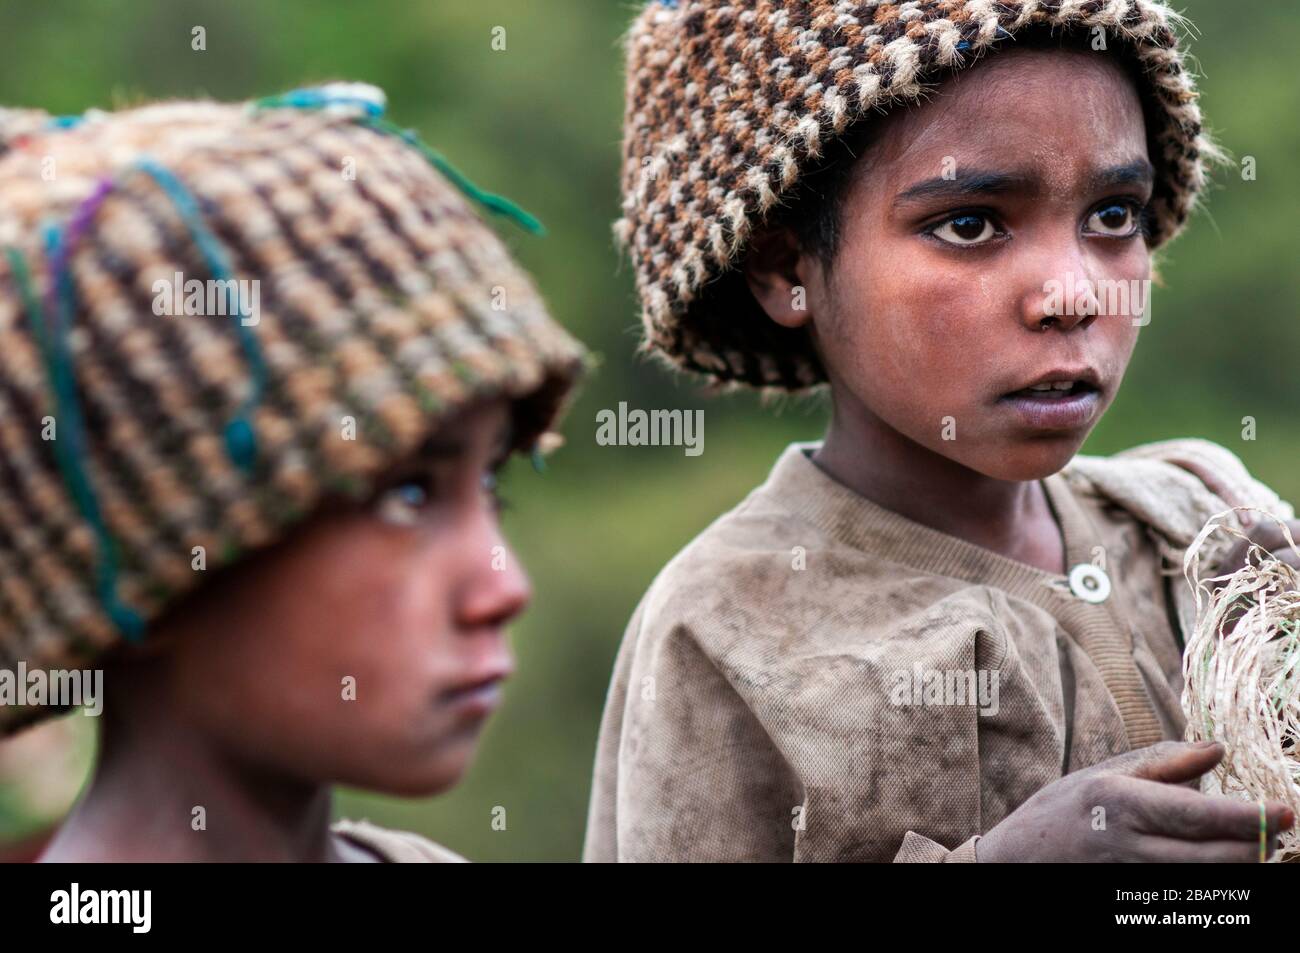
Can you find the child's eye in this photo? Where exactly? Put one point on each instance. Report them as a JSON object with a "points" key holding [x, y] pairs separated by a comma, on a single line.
{"points": [[967, 228], [402, 503], [1114, 220], [408, 501], [492, 488]]}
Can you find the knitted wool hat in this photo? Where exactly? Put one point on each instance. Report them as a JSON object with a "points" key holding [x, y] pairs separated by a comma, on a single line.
{"points": [[729, 104], [128, 437]]}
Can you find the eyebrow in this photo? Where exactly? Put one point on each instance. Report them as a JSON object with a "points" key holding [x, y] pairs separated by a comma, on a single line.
{"points": [[437, 448], [440, 448], [972, 182]]}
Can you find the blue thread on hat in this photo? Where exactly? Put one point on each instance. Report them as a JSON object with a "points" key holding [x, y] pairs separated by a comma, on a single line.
{"points": [[69, 451], [239, 436], [62, 306], [319, 97], [64, 122]]}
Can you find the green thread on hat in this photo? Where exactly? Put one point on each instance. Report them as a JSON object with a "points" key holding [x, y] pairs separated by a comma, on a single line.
{"points": [[497, 204], [58, 372], [429, 401], [464, 372], [372, 115], [239, 437]]}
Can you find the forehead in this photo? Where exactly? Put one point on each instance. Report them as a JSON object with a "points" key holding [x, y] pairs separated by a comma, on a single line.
{"points": [[1058, 113]]}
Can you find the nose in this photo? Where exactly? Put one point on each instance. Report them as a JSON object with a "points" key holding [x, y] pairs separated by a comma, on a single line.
{"points": [[496, 588], [1059, 287]]}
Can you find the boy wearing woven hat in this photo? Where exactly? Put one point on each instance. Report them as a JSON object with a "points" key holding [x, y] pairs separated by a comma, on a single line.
{"points": [[271, 527], [938, 634]]}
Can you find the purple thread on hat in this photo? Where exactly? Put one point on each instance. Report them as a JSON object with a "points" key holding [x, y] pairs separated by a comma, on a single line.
{"points": [[77, 224], [71, 451]]}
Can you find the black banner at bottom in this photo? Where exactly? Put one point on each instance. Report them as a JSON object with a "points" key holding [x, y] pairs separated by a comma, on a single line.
{"points": [[137, 903]]}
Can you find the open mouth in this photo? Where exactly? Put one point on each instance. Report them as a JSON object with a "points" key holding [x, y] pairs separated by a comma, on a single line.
{"points": [[1057, 390], [1057, 406]]}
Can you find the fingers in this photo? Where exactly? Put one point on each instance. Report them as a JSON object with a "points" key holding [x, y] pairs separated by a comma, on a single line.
{"points": [[1170, 762], [1270, 536], [1182, 814], [1163, 850], [1267, 535]]}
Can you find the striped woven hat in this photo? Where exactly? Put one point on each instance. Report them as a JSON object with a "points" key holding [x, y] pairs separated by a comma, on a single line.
{"points": [[339, 296], [730, 103]]}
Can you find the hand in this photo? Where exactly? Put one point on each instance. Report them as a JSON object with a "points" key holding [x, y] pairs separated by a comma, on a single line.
{"points": [[1148, 814], [1267, 534]]}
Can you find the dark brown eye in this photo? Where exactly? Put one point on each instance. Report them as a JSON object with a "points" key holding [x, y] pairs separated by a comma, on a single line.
{"points": [[965, 229], [1117, 219]]}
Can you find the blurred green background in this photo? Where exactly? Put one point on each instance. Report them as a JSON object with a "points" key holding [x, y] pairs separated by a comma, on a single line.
{"points": [[540, 122]]}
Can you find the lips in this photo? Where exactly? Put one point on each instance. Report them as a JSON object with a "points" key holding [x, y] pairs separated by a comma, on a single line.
{"points": [[1060, 380], [481, 698], [1055, 391], [479, 694], [1060, 411]]}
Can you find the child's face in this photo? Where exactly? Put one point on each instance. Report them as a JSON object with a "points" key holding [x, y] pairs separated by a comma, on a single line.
{"points": [[405, 598], [1030, 169]]}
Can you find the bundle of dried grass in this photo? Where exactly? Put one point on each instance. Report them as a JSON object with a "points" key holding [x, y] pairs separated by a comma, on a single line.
{"points": [[1241, 672]]}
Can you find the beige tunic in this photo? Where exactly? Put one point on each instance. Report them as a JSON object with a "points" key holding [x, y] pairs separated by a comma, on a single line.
{"points": [[818, 678]]}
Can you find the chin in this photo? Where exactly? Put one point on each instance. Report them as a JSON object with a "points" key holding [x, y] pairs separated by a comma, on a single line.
{"points": [[423, 775], [412, 784], [1030, 459]]}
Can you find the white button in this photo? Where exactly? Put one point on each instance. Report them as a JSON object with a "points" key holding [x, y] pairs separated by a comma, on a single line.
{"points": [[1089, 583]]}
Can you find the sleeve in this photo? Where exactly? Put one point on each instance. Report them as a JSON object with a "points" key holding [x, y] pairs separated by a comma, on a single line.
{"points": [[921, 850], [601, 843], [693, 776]]}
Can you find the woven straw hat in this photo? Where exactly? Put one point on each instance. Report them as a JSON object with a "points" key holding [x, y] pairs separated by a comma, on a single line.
{"points": [[729, 104], [128, 436]]}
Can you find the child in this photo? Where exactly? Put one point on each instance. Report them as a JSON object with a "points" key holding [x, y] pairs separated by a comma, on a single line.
{"points": [[937, 634], [258, 366]]}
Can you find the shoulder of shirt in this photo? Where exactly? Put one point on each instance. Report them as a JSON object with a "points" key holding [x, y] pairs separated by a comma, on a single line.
{"points": [[396, 847], [756, 536], [1174, 485]]}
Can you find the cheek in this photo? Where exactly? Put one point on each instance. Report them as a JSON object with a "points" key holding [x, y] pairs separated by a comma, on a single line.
{"points": [[325, 652], [909, 335], [390, 619]]}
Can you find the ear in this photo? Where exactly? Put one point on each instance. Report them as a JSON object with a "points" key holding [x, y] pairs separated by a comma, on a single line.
{"points": [[773, 271]]}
